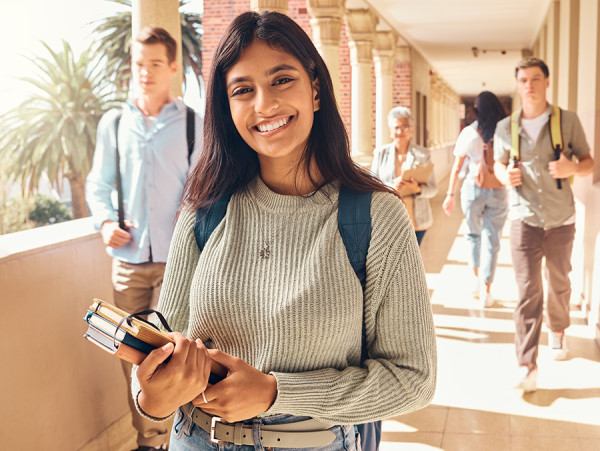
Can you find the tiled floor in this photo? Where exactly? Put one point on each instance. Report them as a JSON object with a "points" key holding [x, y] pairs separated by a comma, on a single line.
{"points": [[475, 407]]}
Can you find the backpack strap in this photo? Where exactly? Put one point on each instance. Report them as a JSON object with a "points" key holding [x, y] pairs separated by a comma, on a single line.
{"points": [[514, 138], [556, 130], [354, 225], [555, 125], [190, 131], [208, 218], [118, 182]]}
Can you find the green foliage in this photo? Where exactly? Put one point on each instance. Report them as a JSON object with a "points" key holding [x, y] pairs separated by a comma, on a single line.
{"points": [[47, 210], [114, 42], [14, 215], [54, 129]]}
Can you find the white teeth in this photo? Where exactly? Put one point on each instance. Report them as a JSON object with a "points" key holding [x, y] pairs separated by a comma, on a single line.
{"points": [[273, 126]]}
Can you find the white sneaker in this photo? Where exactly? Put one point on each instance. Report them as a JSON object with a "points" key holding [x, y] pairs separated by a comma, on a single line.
{"points": [[486, 298], [558, 345], [475, 287], [527, 380]]}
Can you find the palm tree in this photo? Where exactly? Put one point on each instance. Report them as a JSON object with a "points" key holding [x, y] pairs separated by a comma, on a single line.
{"points": [[114, 42], [53, 131]]}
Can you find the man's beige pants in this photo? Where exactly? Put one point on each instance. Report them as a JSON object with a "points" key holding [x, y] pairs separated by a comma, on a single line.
{"points": [[136, 287]]}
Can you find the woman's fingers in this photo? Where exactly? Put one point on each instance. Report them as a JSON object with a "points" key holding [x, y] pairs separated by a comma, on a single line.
{"points": [[154, 359]]}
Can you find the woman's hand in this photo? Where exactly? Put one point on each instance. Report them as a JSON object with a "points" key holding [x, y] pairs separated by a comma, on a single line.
{"points": [[448, 204], [407, 187], [166, 386], [244, 393], [413, 185]]}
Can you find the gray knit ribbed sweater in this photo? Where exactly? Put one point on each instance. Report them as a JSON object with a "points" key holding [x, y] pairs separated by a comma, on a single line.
{"points": [[298, 314]]}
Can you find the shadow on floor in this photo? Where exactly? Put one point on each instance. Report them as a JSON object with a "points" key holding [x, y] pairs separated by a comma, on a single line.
{"points": [[452, 428], [545, 397]]}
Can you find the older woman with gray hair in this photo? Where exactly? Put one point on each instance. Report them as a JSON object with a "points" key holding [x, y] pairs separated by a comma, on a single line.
{"points": [[390, 161]]}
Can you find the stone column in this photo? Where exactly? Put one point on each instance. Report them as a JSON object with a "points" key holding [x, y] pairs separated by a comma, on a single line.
{"points": [[442, 107], [326, 23], [586, 249], [552, 44], [568, 54], [435, 111], [383, 57], [361, 30], [164, 14], [280, 6]]}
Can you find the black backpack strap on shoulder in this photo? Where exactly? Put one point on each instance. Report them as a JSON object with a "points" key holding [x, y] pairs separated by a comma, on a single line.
{"points": [[118, 182], [354, 224], [208, 218], [555, 129], [190, 131]]}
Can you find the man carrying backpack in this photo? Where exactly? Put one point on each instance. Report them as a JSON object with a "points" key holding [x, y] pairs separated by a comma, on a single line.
{"points": [[536, 150], [154, 150]]}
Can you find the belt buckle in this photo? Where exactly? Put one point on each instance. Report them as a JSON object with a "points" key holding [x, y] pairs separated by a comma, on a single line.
{"points": [[213, 428]]}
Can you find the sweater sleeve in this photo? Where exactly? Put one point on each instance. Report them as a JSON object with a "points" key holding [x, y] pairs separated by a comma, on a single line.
{"points": [[175, 292], [399, 375]]}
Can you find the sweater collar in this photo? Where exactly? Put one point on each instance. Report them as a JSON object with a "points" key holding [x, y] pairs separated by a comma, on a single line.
{"points": [[267, 199]]}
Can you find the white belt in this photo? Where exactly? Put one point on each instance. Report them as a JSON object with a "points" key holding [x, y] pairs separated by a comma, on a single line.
{"points": [[300, 434]]}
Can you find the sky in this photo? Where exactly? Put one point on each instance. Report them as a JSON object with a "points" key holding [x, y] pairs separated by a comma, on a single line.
{"points": [[24, 23]]}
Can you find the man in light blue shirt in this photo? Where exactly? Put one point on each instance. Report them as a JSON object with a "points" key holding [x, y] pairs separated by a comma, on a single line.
{"points": [[154, 163]]}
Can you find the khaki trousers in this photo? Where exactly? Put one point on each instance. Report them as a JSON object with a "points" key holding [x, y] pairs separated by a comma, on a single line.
{"points": [[528, 246], [136, 287]]}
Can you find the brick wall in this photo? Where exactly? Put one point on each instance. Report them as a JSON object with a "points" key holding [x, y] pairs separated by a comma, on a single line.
{"points": [[345, 95], [217, 15], [402, 86]]}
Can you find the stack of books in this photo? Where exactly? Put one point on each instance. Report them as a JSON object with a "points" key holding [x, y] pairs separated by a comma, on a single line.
{"points": [[130, 337], [131, 340]]}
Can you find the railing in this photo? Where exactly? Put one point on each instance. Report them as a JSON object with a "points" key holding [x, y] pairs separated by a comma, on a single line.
{"points": [[58, 390]]}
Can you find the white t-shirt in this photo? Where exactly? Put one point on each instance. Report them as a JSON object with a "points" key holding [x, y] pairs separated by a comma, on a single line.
{"points": [[533, 127], [469, 144]]}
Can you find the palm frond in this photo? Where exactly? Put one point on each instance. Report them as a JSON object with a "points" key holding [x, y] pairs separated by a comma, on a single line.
{"points": [[53, 131]]}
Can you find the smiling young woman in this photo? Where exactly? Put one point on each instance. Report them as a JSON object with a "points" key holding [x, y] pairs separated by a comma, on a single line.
{"points": [[272, 102], [273, 289]]}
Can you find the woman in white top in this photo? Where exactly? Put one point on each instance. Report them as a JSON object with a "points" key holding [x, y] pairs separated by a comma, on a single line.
{"points": [[485, 210]]}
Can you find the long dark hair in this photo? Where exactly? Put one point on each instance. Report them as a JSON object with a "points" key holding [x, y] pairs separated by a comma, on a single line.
{"points": [[227, 163], [489, 111]]}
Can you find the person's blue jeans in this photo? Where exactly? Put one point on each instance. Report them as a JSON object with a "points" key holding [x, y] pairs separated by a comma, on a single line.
{"points": [[485, 212], [188, 436]]}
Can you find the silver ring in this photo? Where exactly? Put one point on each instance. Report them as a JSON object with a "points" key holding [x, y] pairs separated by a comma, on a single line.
{"points": [[204, 397]]}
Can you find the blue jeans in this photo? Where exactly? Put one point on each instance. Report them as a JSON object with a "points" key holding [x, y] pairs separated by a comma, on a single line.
{"points": [[188, 436], [485, 212]]}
